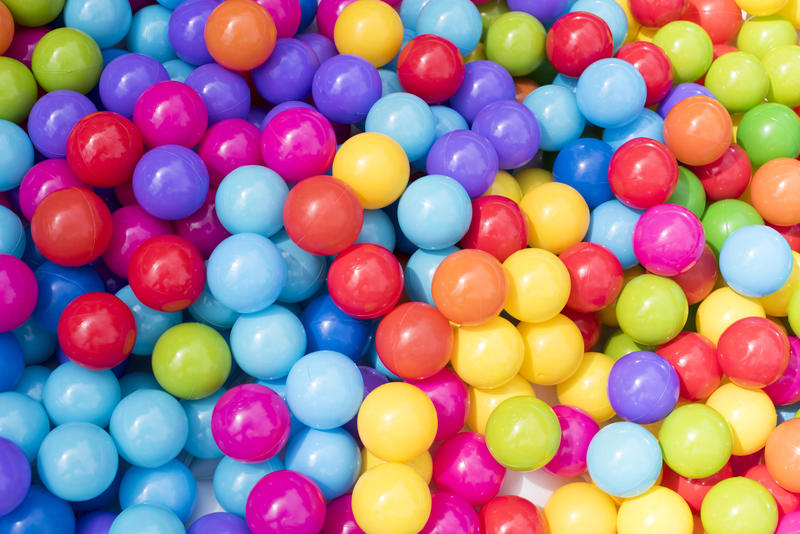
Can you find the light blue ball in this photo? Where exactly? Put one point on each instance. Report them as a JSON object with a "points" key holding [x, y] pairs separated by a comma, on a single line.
{"points": [[419, 273], [37, 343], [136, 380], [77, 461], [458, 21], [148, 33], [149, 427], [612, 224], [147, 519], [434, 212], [624, 459], [31, 383], [611, 12], [566, 81], [170, 4], [267, 344], [12, 234], [12, 362], [234, 480], [16, 155], [556, 109], [390, 82], [647, 124], [447, 120], [246, 272], [407, 119], [610, 93], [178, 69], [208, 310], [200, 442], [105, 21], [75, 394], [377, 229], [324, 389], [150, 323], [250, 199], [331, 458], [305, 272], [23, 421], [755, 260], [171, 486], [409, 12]]}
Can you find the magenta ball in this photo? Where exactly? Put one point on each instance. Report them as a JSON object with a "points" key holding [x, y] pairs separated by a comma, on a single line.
{"points": [[577, 430], [250, 423], [45, 177], [668, 239], [202, 228], [450, 398], [18, 292], [339, 518], [228, 145], [789, 523], [130, 227], [451, 513], [786, 389], [463, 465], [170, 113], [327, 13], [285, 502], [285, 14], [298, 143]]}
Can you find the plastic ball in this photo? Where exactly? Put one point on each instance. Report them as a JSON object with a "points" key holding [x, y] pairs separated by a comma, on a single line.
{"points": [[595, 278], [610, 93], [171, 486], [498, 227], [516, 41], [612, 225], [448, 511], [52, 118], [457, 21], [738, 500], [200, 442], [781, 455], [755, 249], [647, 124], [149, 33], [726, 177], [331, 458], [688, 48], [217, 522], [654, 66], [131, 226], [542, 342], [75, 394], [463, 466], [769, 131], [17, 154], [726, 78], [721, 19], [583, 165], [240, 35], [106, 22], [643, 387], [658, 510], [668, 240], [170, 113], [377, 274], [512, 129], [147, 516], [467, 157], [695, 359], [773, 191], [103, 149], [787, 501], [694, 490], [12, 234], [234, 480], [329, 328], [67, 58], [391, 494], [430, 67], [42, 512], [484, 82], [753, 352], [253, 336], [21, 96], [434, 212], [345, 87], [371, 30], [576, 40], [170, 182], [15, 473], [624, 459], [523, 433], [496, 341], [185, 31], [482, 402], [652, 309], [288, 73], [642, 173], [23, 421], [13, 361], [749, 413], [37, 343], [697, 130], [577, 431], [450, 398], [578, 506], [786, 389], [558, 216], [724, 217], [405, 118], [285, 14], [225, 94], [228, 145], [557, 113], [781, 65], [306, 127], [585, 388]]}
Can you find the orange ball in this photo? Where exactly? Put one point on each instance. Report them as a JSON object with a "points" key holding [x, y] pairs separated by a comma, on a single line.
{"points": [[240, 34], [6, 28], [697, 130], [775, 191], [469, 287], [782, 455]]}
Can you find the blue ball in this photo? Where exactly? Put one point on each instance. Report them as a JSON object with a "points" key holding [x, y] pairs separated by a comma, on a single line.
{"points": [[103, 500], [16, 155], [409, 12], [556, 109], [308, 10], [12, 234], [305, 272], [200, 442], [583, 164], [329, 328], [58, 286], [37, 343], [407, 119], [447, 120], [23, 421], [234, 480], [612, 224], [324, 389], [377, 229], [31, 383], [75, 394], [150, 323], [434, 212], [755, 261], [178, 69], [148, 34], [267, 344], [250, 199], [611, 12], [208, 310], [647, 124], [12, 362], [610, 93], [390, 82], [566, 81], [458, 21], [77, 461], [41, 513], [624, 459], [146, 518], [331, 458], [105, 21], [171, 486], [419, 273]]}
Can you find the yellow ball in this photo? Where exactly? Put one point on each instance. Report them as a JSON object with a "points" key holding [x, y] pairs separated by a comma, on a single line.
{"points": [[487, 355], [657, 511], [580, 508], [371, 29], [538, 285], [422, 464], [397, 422], [777, 304], [483, 401], [375, 166], [750, 414], [505, 185], [558, 216], [722, 308], [553, 350], [586, 388], [791, 12], [530, 178], [643, 33], [391, 498], [761, 8]]}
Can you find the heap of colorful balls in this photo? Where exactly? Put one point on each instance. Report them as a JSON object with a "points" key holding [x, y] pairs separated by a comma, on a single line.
{"points": [[285, 268]]}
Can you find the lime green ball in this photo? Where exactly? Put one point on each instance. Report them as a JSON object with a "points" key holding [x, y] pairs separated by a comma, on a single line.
{"points": [[696, 440], [489, 12], [738, 80], [191, 360], [67, 58], [783, 68], [652, 309], [724, 217], [759, 35], [34, 12], [769, 131], [523, 433], [515, 40], [688, 48], [689, 192], [739, 505], [619, 344], [18, 92], [794, 313]]}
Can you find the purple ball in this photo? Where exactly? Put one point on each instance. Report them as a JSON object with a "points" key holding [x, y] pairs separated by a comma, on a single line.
{"points": [[126, 78], [546, 11], [513, 131], [643, 387], [321, 45], [224, 92], [15, 475], [288, 72], [283, 106], [467, 157], [95, 523], [219, 523], [52, 117], [680, 92], [484, 82], [345, 87], [185, 31], [170, 182]]}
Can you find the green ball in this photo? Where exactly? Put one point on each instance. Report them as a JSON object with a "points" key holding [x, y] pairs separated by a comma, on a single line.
{"points": [[652, 309], [769, 131], [738, 80], [619, 344], [696, 440], [724, 217], [18, 92], [515, 40], [191, 361], [489, 12], [34, 12], [689, 192], [688, 48], [739, 505], [523, 433], [759, 35], [67, 58], [783, 67]]}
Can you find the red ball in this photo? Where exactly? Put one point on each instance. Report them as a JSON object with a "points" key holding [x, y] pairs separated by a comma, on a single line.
{"points": [[589, 325], [97, 331], [498, 227], [726, 177], [576, 40], [694, 490], [595, 274], [511, 514], [721, 19], [430, 67], [228, 145], [365, 281], [322, 215], [654, 66], [787, 501], [753, 352], [71, 227], [103, 149], [656, 13], [167, 273], [790, 233], [298, 143], [643, 173], [170, 113], [699, 281], [414, 341], [694, 358]]}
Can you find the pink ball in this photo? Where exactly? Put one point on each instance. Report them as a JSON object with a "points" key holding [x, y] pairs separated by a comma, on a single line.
{"points": [[327, 13], [577, 430], [339, 518], [250, 423], [668, 239], [285, 502], [170, 113], [202, 228], [228, 145], [789, 523], [786, 389], [298, 143], [285, 13], [18, 292], [464, 466], [45, 177], [450, 397], [130, 227], [450, 513], [23, 43]]}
